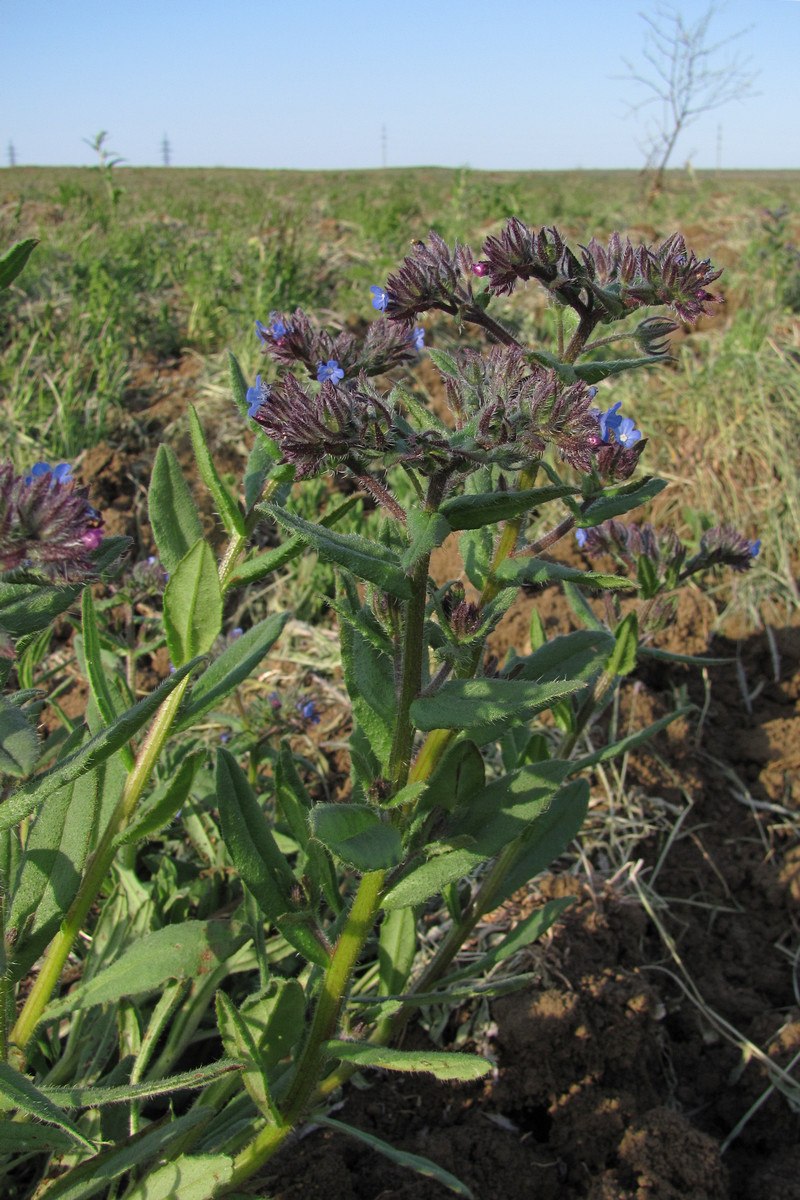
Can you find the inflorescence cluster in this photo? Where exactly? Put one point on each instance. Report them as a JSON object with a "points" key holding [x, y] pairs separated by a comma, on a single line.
{"points": [[47, 526]]}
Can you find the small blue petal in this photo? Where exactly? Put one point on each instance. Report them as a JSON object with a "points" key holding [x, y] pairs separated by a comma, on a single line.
{"points": [[418, 337], [755, 547], [379, 298], [626, 432], [329, 370], [580, 537]]}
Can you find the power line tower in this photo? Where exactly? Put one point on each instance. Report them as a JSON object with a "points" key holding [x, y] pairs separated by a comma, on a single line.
{"points": [[166, 151], [12, 155]]}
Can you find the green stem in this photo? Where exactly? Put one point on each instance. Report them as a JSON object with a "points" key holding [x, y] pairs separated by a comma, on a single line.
{"points": [[323, 1028], [97, 870]]}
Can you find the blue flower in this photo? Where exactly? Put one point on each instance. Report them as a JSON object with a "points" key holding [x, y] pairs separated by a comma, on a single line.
{"points": [[329, 370], [418, 337], [60, 474], [256, 396], [755, 547], [623, 428], [625, 431], [308, 711], [581, 537], [609, 419], [275, 330], [379, 298]]}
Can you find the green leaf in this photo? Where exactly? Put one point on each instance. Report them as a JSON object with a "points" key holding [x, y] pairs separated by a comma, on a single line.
{"points": [[369, 679], [18, 1092], [415, 1162], [266, 562], [443, 1064], [472, 511], [460, 775], [504, 810], [58, 843], [35, 791], [260, 462], [356, 834], [173, 515], [192, 605], [625, 499], [249, 840], [515, 571], [363, 558], [565, 371], [194, 1177], [580, 606], [181, 951], [14, 260], [161, 807], [548, 837], [487, 704], [594, 372], [91, 1097], [427, 530], [238, 1042], [276, 1019], [232, 667], [19, 743], [524, 932], [17, 1137], [229, 510], [629, 743], [397, 946], [444, 362], [576, 655], [95, 1174], [626, 641], [689, 660], [477, 547]]}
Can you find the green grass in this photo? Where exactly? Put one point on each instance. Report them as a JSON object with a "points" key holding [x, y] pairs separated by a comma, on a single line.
{"points": [[189, 258]]}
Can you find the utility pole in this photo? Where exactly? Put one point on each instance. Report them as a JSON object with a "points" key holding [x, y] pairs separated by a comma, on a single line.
{"points": [[383, 145], [12, 155], [165, 151]]}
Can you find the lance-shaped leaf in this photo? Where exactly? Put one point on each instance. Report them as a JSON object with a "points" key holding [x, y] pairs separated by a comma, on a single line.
{"points": [[427, 530], [594, 372], [19, 743], [231, 668], [365, 559], [249, 840], [192, 605], [276, 1019], [94, 1175], [265, 562], [369, 678], [473, 511], [173, 513], [513, 572], [228, 508], [356, 834], [487, 705], [622, 659], [91, 1097], [415, 1162], [546, 839], [161, 807], [526, 931], [13, 261], [239, 1043], [625, 499], [460, 775], [397, 946], [190, 1177], [576, 655], [443, 1064], [17, 1091], [180, 951], [624, 745], [506, 809], [50, 868], [17, 1137], [35, 791]]}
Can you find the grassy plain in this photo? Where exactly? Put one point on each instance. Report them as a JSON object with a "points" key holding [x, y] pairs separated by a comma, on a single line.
{"points": [[186, 260]]}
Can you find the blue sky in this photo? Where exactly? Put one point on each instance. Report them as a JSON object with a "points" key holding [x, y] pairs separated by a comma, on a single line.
{"points": [[492, 84]]}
